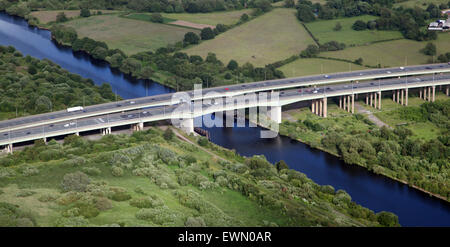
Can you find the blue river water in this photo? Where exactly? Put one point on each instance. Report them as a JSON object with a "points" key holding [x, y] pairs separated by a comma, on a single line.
{"points": [[376, 192]]}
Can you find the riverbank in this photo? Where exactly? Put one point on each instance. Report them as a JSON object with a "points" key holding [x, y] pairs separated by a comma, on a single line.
{"points": [[379, 170]]}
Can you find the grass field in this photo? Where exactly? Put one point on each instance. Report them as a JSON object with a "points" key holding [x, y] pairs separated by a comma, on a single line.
{"points": [[131, 36], [271, 37], [424, 130], [419, 3], [393, 53], [46, 16], [311, 66], [323, 31], [225, 17]]}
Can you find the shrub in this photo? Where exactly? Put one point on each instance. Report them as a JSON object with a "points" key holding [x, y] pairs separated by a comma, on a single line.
{"points": [[191, 38], [48, 197], [85, 12], [359, 25], [142, 202], [61, 17], [157, 17], [25, 193], [195, 222], [120, 196], [102, 203], [160, 215], [207, 33], [78, 221], [93, 171], [77, 181], [87, 210], [387, 219], [117, 171]]}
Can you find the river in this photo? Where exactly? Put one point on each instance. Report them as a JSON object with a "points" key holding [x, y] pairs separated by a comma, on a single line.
{"points": [[373, 191]]}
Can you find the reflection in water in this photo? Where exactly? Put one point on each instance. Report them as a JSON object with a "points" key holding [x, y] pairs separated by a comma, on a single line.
{"points": [[375, 192]]}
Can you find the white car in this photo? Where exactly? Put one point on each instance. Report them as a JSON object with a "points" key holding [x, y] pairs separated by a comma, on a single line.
{"points": [[315, 91], [66, 125], [388, 72]]}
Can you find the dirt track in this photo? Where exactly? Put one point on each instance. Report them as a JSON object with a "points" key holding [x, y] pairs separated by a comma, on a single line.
{"points": [[190, 24]]}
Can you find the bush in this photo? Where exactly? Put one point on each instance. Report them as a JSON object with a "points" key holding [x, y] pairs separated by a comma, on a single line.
{"points": [[78, 221], [195, 222], [191, 38], [120, 196], [157, 18], [207, 33], [77, 181], [85, 12], [93, 171], [48, 198], [25, 193], [160, 215], [359, 25], [117, 171], [147, 202], [102, 203], [61, 17], [387, 219]]}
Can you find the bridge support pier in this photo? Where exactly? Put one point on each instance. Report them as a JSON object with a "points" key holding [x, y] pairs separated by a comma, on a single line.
{"points": [[379, 100], [187, 125], [340, 101], [106, 131], [275, 113], [406, 97], [353, 103], [325, 107], [9, 149], [137, 127], [433, 94], [446, 90], [375, 96], [313, 110], [77, 133]]}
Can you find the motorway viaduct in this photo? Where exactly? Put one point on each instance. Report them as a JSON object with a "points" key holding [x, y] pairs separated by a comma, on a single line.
{"points": [[224, 91], [185, 113]]}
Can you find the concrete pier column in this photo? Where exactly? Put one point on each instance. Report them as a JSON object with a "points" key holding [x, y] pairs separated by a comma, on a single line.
{"points": [[420, 93], [137, 127], [106, 131], [353, 103], [312, 106], [77, 133], [325, 107], [371, 99], [433, 97], [375, 95], [320, 107], [393, 96], [9, 149], [398, 97], [345, 103], [379, 100], [429, 94], [348, 103], [402, 92], [187, 125], [340, 101], [425, 93], [446, 90], [406, 97], [367, 99], [317, 107], [275, 113]]}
